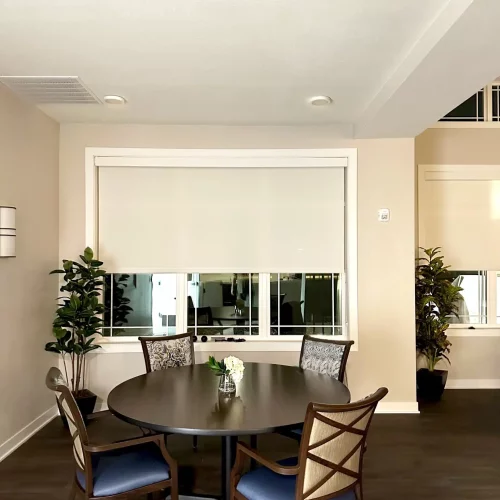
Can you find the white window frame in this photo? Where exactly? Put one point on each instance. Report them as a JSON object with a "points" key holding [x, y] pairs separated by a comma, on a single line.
{"points": [[467, 172], [233, 158], [488, 114]]}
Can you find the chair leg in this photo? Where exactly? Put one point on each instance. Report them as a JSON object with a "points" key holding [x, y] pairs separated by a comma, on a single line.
{"points": [[174, 489], [195, 443], [253, 445], [358, 491], [73, 491]]}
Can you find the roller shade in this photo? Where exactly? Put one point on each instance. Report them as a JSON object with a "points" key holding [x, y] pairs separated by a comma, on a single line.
{"points": [[176, 219], [462, 217]]}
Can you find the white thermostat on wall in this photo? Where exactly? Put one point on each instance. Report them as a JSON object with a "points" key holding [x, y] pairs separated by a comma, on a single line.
{"points": [[384, 215]]}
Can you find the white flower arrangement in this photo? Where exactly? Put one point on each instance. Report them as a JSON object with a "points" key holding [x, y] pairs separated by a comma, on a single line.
{"points": [[235, 367]]}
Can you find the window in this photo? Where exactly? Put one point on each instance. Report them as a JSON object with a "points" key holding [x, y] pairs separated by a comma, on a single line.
{"points": [[472, 309], [139, 304], [306, 303], [223, 304], [471, 110], [459, 212], [217, 223]]}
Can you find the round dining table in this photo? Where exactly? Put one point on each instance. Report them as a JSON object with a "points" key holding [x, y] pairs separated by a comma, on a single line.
{"points": [[186, 400]]}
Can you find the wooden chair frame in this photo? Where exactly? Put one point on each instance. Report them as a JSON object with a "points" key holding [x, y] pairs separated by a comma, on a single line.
{"points": [[147, 360], [347, 348], [314, 412], [164, 338], [55, 382]]}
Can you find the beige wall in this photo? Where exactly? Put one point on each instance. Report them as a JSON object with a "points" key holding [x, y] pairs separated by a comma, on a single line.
{"points": [[472, 357], [28, 181], [386, 179]]}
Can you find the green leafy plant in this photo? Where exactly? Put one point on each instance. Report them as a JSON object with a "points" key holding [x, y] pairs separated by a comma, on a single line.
{"points": [[218, 367], [78, 317], [436, 300]]}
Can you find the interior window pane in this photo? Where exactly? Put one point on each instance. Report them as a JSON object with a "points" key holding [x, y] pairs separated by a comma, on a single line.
{"points": [[470, 110], [222, 304], [495, 103], [300, 300], [140, 300], [472, 306], [480, 106]]}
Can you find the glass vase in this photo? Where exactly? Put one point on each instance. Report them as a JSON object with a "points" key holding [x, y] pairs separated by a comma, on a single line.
{"points": [[226, 384]]}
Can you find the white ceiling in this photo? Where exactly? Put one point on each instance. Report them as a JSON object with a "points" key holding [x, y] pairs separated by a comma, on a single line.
{"points": [[252, 62]]}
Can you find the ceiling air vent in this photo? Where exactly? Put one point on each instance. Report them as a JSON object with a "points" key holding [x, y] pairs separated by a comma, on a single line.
{"points": [[50, 89]]}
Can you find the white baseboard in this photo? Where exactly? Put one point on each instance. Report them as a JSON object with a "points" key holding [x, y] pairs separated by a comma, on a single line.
{"points": [[398, 407], [26, 432], [101, 406], [473, 383]]}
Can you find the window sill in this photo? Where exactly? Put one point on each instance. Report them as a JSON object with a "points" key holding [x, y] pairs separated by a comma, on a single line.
{"points": [[478, 331], [131, 344]]}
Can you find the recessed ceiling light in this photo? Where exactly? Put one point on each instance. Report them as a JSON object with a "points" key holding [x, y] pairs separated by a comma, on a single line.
{"points": [[114, 99], [321, 100]]}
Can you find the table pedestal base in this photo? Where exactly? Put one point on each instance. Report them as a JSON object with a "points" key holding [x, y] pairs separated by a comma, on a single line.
{"points": [[228, 456]]}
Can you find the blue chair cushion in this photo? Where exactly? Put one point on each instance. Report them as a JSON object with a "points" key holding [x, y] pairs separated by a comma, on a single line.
{"points": [[126, 469], [263, 484]]}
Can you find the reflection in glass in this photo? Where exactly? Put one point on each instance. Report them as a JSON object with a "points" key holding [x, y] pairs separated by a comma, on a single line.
{"points": [[135, 301], [223, 304], [472, 306], [301, 300]]}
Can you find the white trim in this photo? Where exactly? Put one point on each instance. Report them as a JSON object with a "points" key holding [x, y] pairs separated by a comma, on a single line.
{"points": [[395, 407], [473, 383], [223, 153], [13, 443], [219, 162], [476, 125], [459, 173], [345, 157], [477, 331], [351, 251], [113, 345]]}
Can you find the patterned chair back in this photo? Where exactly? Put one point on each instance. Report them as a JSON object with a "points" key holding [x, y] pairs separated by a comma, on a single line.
{"points": [[170, 351], [328, 357], [332, 448], [67, 404]]}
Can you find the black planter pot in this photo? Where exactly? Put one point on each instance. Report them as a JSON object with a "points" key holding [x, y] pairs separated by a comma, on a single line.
{"points": [[86, 403], [430, 385]]}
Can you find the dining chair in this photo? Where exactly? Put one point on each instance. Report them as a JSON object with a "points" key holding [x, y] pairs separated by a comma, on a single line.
{"points": [[325, 356], [169, 351], [101, 422], [330, 461], [121, 470]]}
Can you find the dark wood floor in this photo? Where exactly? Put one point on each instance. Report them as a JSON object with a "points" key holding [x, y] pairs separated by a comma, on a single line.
{"points": [[451, 451]]}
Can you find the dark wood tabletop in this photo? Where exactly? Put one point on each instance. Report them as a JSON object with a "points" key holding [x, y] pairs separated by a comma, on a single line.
{"points": [[186, 400]]}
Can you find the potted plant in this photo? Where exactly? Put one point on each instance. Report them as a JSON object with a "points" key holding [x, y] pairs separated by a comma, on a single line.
{"points": [[78, 319], [436, 300]]}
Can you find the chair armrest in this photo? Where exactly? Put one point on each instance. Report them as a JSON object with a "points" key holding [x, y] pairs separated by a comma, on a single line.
{"points": [[156, 438], [284, 470]]}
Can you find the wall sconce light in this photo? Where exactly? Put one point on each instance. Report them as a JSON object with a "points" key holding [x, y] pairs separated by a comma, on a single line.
{"points": [[7, 231]]}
